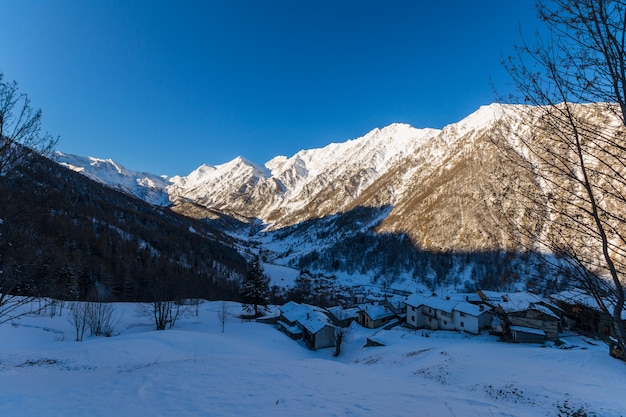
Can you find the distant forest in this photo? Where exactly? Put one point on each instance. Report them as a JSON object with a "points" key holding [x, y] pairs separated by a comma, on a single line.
{"points": [[65, 236], [388, 257]]}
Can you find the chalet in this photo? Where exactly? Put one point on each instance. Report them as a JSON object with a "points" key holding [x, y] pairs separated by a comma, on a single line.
{"points": [[397, 304], [318, 332], [309, 323], [525, 310], [342, 317], [583, 314], [472, 318], [373, 316], [288, 320], [429, 312], [444, 314]]}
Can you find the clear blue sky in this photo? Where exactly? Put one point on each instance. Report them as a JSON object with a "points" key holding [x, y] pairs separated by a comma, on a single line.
{"points": [[164, 86]]}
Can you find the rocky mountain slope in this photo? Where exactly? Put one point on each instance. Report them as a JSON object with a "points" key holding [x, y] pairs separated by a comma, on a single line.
{"points": [[310, 184], [399, 201], [436, 181]]}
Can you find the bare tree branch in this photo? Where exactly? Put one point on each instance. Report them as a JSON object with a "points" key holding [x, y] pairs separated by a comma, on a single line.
{"points": [[573, 145]]}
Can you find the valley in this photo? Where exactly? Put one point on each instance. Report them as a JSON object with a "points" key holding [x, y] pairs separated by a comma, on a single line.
{"points": [[398, 206]]}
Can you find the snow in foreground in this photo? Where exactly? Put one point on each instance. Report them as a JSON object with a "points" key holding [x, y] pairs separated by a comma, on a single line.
{"points": [[254, 370]]}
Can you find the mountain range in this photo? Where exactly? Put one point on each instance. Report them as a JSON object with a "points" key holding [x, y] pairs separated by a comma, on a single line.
{"points": [[392, 166], [399, 204]]}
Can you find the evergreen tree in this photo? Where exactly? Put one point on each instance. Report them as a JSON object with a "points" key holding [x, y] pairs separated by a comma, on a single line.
{"points": [[255, 290]]}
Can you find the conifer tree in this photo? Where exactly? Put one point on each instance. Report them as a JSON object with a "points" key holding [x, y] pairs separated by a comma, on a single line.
{"points": [[255, 290]]}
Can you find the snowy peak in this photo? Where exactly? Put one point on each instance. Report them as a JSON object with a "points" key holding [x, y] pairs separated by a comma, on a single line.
{"points": [[148, 187], [205, 182], [237, 168], [377, 150], [312, 183], [483, 118], [90, 165], [195, 176], [244, 165]]}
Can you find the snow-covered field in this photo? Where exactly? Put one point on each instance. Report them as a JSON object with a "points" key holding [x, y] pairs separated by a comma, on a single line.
{"points": [[254, 370]]}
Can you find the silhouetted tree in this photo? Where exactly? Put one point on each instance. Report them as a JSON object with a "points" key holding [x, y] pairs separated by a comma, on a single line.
{"points": [[20, 137], [254, 291], [574, 151], [20, 128]]}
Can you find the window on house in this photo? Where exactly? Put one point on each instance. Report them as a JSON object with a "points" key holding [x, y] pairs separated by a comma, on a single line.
{"points": [[462, 324], [462, 314], [445, 322], [412, 318]]}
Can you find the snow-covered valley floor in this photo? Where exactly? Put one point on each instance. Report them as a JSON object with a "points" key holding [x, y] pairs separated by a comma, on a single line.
{"points": [[252, 369]]}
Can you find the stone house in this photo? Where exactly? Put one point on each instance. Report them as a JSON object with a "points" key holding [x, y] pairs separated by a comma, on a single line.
{"points": [[373, 316], [582, 313], [444, 314], [525, 310], [308, 323]]}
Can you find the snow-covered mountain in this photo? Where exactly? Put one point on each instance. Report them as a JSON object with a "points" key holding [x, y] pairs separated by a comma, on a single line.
{"points": [[148, 187], [433, 180], [283, 191], [311, 183], [395, 201]]}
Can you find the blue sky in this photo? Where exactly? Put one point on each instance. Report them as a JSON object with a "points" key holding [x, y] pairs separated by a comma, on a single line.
{"points": [[164, 86]]}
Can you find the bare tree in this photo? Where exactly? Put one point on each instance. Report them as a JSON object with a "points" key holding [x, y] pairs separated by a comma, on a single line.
{"points": [[165, 313], [20, 128], [195, 305], [20, 137], [79, 318], [223, 311], [100, 318], [572, 141]]}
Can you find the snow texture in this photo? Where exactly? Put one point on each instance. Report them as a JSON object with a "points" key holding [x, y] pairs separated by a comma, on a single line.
{"points": [[252, 369]]}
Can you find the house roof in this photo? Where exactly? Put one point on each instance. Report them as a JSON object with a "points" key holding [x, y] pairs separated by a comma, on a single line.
{"points": [[309, 317], [291, 329], [545, 310], [575, 297], [580, 297], [528, 330], [376, 311], [517, 301], [316, 321], [448, 306], [397, 301], [416, 300], [291, 311], [520, 301], [344, 313], [474, 298], [492, 295], [471, 309]]}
